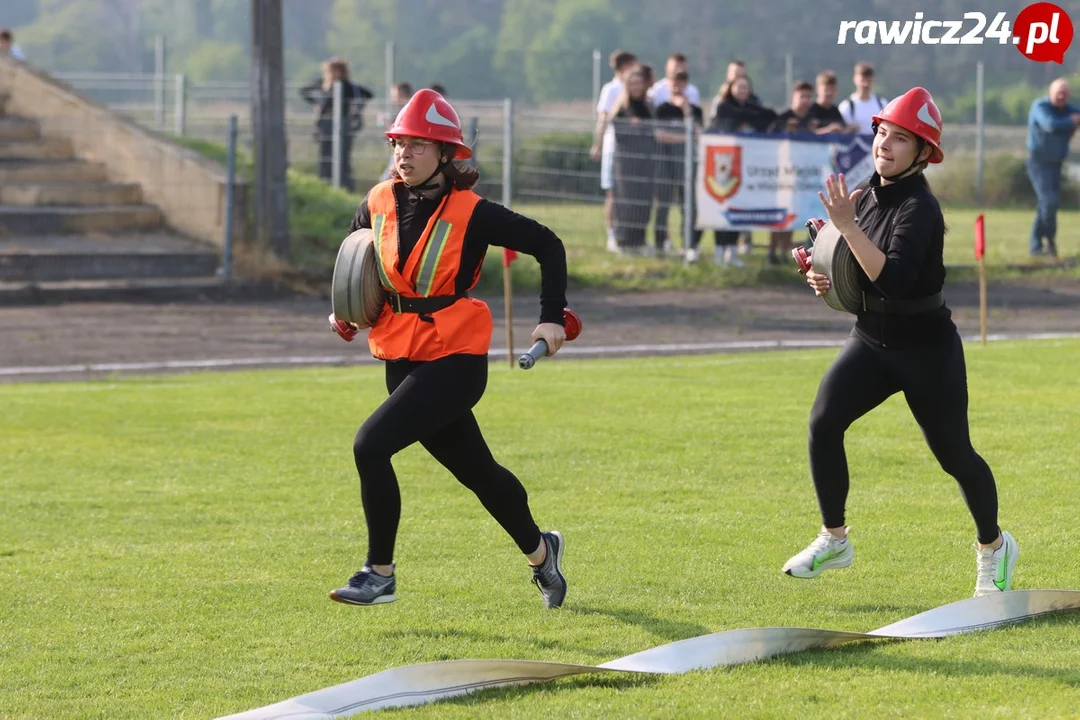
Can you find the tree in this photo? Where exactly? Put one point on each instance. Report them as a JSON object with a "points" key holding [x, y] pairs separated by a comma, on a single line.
{"points": [[558, 58], [518, 29]]}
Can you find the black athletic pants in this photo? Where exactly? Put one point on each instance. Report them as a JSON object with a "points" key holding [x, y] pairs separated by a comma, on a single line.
{"points": [[431, 403], [933, 379]]}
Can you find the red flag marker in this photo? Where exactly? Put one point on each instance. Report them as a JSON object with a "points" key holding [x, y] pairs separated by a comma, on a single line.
{"points": [[980, 237]]}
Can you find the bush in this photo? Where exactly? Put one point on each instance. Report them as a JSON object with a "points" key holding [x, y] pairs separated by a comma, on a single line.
{"points": [[1005, 183], [543, 163]]}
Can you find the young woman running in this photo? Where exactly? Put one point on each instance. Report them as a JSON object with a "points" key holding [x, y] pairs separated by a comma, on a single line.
{"points": [[903, 341], [431, 234]]}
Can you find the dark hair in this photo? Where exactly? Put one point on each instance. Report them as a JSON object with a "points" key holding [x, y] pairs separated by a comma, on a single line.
{"points": [[865, 69], [737, 62], [439, 89], [682, 76], [5, 34], [826, 77], [620, 59], [405, 88], [677, 57], [460, 175], [801, 86], [648, 71], [725, 89]]}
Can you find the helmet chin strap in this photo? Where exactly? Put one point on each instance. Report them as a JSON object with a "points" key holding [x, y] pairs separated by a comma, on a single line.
{"points": [[907, 171], [424, 186]]}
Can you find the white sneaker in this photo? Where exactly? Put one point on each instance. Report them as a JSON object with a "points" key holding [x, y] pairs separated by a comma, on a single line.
{"points": [[995, 567], [691, 255], [612, 246], [737, 261], [827, 552]]}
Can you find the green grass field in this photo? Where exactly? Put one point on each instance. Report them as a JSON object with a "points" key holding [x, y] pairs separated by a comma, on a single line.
{"points": [[167, 545]]}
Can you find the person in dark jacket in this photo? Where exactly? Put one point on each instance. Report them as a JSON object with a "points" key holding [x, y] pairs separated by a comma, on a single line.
{"points": [[634, 164], [353, 97], [904, 341], [1051, 124], [671, 118], [737, 110]]}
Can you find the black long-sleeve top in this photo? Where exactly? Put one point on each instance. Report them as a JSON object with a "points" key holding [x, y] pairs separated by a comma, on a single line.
{"points": [[904, 220], [353, 98], [490, 224], [733, 116]]}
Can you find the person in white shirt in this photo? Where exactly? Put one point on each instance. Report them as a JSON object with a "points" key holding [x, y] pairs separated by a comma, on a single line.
{"points": [[603, 148], [660, 92], [8, 46], [859, 108]]}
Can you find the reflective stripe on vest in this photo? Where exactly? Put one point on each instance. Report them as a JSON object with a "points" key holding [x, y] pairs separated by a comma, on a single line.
{"points": [[429, 262], [378, 221]]}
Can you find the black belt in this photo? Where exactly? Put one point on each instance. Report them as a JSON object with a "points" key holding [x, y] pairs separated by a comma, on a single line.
{"points": [[421, 305], [876, 304]]}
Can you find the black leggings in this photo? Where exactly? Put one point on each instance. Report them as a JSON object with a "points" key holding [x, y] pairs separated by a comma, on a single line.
{"points": [[933, 379], [431, 403]]}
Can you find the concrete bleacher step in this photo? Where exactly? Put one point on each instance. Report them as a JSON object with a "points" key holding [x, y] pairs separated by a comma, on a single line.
{"points": [[154, 290], [17, 220], [17, 172], [40, 149], [99, 257], [70, 194], [14, 128]]}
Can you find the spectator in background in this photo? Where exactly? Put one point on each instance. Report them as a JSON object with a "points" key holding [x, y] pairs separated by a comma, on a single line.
{"points": [[795, 119], [603, 148], [736, 111], [859, 108], [649, 73], [8, 46], [826, 115], [1051, 124], [660, 92], [438, 88], [671, 118], [735, 69], [353, 97], [399, 95], [635, 146]]}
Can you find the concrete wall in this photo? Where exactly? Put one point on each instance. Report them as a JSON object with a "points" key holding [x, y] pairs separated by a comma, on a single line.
{"points": [[189, 189]]}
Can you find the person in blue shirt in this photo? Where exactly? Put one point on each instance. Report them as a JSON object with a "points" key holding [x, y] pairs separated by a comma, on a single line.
{"points": [[1051, 124]]}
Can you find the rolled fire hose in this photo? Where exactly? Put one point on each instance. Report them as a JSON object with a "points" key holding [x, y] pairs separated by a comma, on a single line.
{"points": [[428, 682], [834, 258], [357, 294]]}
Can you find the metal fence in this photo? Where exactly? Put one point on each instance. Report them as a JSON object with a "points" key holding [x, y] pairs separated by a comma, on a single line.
{"points": [[534, 157]]}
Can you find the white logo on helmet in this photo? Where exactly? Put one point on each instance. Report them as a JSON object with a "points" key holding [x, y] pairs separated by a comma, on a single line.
{"points": [[924, 115], [435, 118]]}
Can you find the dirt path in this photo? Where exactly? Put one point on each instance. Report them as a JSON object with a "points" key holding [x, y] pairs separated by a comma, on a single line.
{"points": [[263, 334]]}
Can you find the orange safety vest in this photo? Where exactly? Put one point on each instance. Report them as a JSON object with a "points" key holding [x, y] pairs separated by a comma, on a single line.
{"points": [[430, 270]]}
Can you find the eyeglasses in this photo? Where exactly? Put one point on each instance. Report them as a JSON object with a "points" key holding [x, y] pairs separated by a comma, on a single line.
{"points": [[415, 147]]}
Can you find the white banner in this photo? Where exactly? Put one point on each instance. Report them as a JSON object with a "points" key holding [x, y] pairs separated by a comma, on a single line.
{"points": [[758, 182]]}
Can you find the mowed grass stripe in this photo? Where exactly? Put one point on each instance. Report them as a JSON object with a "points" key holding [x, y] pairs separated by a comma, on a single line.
{"points": [[166, 544]]}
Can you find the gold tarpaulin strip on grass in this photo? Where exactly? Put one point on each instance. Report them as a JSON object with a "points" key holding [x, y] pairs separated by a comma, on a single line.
{"points": [[425, 683]]}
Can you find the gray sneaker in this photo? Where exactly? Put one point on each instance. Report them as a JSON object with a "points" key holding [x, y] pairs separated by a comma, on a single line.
{"points": [[366, 587], [548, 575]]}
